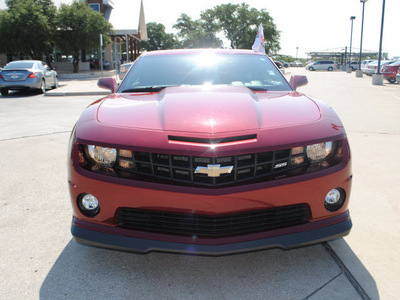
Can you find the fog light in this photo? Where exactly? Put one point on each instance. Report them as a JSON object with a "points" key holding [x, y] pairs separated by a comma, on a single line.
{"points": [[88, 204], [334, 199]]}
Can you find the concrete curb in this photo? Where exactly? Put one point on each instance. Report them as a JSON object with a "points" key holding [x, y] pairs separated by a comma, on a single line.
{"points": [[89, 93], [86, 75]]}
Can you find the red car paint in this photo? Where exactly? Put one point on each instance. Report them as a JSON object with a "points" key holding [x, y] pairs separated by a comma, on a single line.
{"points": [[390, 71], [145, 122]]}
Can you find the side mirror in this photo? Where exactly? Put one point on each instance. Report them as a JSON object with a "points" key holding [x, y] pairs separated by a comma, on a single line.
{"points": [[108, 84], [297, 81]]}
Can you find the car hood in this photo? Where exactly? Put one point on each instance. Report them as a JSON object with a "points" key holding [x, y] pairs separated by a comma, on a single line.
{"points": [[214, 109]]}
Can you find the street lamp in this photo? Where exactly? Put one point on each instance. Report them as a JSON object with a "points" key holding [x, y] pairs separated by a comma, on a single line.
{"points": [[297, 52], [359, 72], [377, 79], [352, 18]]}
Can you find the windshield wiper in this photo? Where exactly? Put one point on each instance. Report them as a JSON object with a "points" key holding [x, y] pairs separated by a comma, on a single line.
{"points": [[141, 89]]}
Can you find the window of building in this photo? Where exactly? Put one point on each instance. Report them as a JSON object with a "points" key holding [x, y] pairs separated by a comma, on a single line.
{"points": [[95, 6]]}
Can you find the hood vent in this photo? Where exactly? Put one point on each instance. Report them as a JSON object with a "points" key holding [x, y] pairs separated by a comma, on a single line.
{"points": [[213, 141]]}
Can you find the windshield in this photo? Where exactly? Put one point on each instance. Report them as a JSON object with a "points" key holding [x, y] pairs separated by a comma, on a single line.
{"points": [[256, 72], [18, 65]]}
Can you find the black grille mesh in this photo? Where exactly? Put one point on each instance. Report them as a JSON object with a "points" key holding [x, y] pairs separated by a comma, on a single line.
{"points": [[180, 169], [213, 226], [177, 169]]}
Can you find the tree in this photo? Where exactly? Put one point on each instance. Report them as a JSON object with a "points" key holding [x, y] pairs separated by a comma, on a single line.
{"points": [[79, 28], [27, 28], [158, 39], [5, 32], [197, 34], [239, 24]]}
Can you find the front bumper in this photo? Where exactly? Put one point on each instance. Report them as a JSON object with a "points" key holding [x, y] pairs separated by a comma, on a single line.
{"points": [[389, 76], [338, 227], [117, 193]]}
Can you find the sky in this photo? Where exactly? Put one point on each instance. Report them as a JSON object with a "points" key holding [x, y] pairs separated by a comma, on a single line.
{"points": [[309, 25]]}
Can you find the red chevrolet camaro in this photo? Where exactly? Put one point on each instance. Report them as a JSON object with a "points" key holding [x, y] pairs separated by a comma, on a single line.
{"points": [[208, 152]]}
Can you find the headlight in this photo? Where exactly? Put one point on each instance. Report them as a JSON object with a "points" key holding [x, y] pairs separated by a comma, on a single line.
{"points": [[103, 156], [319, 151]]}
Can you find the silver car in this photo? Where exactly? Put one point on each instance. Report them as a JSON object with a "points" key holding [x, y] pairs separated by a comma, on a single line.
{"points": [[27, 74], [371, 68], [329, 65]]}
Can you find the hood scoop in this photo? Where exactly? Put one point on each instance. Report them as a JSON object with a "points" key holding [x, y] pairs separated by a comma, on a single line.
{"points": [[213, 141]]}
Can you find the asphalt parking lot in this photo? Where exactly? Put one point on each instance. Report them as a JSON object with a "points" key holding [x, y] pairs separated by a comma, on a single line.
{"points": [[39, 259]]}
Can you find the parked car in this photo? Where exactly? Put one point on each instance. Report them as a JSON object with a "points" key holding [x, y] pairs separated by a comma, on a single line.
{"points": [[298, 63], [354, 65], [364, 64], [278, 64], [123, 69], [398, 75], [389, 71], [329, 65], [372, 67], [27, 74], [208, 152], [285, 64]]}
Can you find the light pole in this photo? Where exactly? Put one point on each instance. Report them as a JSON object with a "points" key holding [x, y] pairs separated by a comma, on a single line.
{"points": [[297, 52], [377, 79], [359, 73], [352, 18]]}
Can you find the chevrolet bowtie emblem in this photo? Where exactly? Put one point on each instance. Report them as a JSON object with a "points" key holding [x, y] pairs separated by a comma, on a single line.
{"points": [[214, 170]]}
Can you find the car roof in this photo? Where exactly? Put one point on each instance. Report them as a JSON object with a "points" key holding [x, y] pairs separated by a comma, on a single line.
{"points": [[396, 63]]}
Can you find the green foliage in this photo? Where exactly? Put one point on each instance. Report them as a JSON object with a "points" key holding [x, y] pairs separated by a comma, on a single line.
{"points": [[79, 28], [197, 34], [32, 27], [238, 24], [27, 28], [158, 39]]}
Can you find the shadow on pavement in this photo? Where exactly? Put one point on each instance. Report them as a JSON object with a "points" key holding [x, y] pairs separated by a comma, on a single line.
{"points": [[307, 273], [21, 94]]}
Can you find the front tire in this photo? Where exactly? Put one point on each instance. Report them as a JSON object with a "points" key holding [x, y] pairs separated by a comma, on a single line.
{"points": [[311, 69], [55, 86], [391, 80]]}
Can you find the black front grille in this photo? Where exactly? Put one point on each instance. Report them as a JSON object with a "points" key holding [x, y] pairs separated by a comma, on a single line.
{"points": [[211, 172], [181, 169], [213, 226]]}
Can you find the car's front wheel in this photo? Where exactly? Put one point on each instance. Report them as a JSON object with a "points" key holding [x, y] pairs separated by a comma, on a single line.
{"points": [[311, 68], [4, 92], [392, 80], [330, 69], [55, 86]]}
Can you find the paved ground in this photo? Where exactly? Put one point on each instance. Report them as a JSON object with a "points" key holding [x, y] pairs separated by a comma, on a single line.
{"points": [[40, 260]]}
